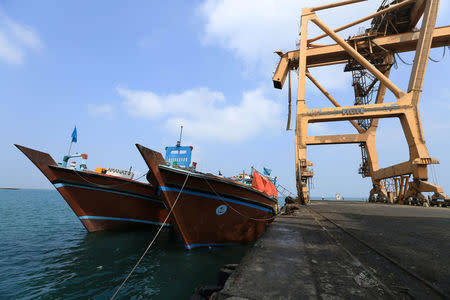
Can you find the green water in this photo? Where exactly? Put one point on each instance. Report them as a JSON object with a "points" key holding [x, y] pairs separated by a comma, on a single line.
{"points": [[46, 253]]}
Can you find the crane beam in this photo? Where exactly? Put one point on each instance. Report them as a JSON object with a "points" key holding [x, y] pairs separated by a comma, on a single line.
{"points": [[369, 56], [336, 139], [416, 12], [331, 54]]}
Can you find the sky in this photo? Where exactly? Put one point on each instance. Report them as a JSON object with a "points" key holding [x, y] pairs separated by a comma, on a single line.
{"points": [[127, 72]]}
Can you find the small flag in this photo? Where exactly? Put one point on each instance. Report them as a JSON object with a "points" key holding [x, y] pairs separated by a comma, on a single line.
{"points": [[267, 171], [74, 135]]}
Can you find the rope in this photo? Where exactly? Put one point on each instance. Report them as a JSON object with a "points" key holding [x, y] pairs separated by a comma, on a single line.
{"points": [[429, 57], [153, 240], [398, 55], [106, 186], [245, 216], [430, 172], [443, 55], [433, 176], [395, 63], [433, 179], [434, 173]]}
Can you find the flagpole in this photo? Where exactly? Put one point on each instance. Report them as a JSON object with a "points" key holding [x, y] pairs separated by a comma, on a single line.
{"points": [[70, 147], [74, 139]]}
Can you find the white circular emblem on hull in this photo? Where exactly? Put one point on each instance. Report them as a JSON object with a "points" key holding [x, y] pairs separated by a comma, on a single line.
{"points": [[220, 210]]}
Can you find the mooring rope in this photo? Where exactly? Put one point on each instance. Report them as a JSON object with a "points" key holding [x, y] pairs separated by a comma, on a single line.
{"points": [[153, 240], [238, 212], [107, 186]]}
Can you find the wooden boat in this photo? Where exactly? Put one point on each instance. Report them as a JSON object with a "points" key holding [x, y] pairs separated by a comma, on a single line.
{"points": [[102, 200], [209, 210]]}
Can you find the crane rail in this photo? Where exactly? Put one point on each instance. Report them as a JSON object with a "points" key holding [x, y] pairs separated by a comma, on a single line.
{"points": [[427, 285]]}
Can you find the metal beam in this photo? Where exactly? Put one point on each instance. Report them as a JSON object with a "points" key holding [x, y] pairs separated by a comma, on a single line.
{"points": [[335, 54], [416, 12], [336, 139], [282, 71], [400, 169], [332, 100], [426, 186], [336, 4], [330, 114], [380, 12], [355, 54], [423, 50]]}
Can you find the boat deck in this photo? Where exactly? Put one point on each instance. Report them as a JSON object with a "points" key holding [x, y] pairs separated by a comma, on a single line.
{"points": [[343, 249]]}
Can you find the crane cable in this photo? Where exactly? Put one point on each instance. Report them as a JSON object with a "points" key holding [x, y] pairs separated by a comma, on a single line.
{"points": [[434, 173], [429, 57], [443, 55]]}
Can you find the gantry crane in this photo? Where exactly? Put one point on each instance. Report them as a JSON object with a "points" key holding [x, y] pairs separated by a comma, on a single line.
{"points": [[369, 56]]}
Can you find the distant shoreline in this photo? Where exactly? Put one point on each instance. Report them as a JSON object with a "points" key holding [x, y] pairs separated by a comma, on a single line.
{"points": [[9, 188]]}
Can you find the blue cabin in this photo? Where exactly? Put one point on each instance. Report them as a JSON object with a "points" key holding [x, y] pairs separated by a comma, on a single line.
{"points": [[179, 155]]}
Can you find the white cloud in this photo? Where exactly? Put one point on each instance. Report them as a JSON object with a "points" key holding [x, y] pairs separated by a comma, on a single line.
{"points": [[253, 29], [96, 110], [16, 39], [249, 28], [207, 112], [9, 51], [149, 104]]}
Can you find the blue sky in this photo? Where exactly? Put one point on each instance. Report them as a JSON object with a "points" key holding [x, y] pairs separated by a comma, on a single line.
{"points": [[133, 72]]}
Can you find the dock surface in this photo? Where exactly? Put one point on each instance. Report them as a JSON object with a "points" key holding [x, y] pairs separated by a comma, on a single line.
{"points": [[343, 249]]}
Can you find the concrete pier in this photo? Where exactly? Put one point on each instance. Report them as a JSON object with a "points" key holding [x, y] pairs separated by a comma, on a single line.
{"points": [[343, 249]]}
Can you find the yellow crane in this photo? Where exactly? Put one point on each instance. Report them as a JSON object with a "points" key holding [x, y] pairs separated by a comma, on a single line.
{"points": [[369, 56]]}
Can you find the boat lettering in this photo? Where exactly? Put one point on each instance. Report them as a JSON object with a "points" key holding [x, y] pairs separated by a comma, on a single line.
{"points": [[353, 111], [122, 172]]}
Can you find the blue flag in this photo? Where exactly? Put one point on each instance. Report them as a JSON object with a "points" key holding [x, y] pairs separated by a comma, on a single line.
{"points": [[267, 171], [74, 135]]}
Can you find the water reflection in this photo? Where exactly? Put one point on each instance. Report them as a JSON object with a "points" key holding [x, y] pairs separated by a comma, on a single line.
{"points": [[53, 257]]}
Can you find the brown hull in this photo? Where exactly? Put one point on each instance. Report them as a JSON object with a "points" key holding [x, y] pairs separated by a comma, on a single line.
{"points": [[102, 202], [210, 211]]}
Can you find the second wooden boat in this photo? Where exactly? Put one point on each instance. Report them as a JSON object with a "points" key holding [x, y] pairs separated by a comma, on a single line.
{"points": [[208, 210]]}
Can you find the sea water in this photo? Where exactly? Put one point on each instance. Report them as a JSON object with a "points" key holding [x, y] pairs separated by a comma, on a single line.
{"points": [[46, 253]]}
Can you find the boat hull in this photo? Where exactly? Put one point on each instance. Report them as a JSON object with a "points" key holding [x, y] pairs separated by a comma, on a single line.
{"points": [[208, 210], [103, 202]]}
